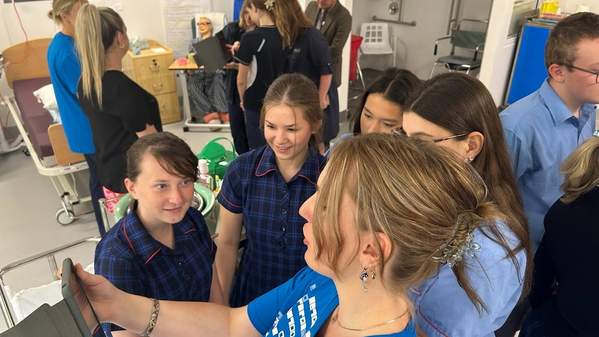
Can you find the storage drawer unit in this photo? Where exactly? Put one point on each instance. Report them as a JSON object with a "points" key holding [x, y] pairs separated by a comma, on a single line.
{"points": [[149, 69]]}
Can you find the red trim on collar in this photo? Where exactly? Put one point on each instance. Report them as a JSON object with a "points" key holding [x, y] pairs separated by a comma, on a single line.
{"points": [[190, 230], [127, 237], [152, 256], [260, 164]]}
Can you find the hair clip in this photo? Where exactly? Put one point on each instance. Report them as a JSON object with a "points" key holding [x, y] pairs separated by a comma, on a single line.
{"points": [[452, 254], [269, 4]]}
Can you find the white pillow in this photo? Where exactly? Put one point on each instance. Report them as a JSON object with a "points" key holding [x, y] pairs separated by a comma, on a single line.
{"points": [[45, 95]]}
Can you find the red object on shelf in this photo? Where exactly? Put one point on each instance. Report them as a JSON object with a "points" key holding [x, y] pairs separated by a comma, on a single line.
{"points": [[356, 42]]}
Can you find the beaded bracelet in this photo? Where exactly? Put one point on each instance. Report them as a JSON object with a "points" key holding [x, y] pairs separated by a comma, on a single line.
{"points": [[153, 319]]}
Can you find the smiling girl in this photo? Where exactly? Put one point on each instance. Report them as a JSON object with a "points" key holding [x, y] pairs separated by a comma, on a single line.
{"points": [[162, 248], [263, 190]]}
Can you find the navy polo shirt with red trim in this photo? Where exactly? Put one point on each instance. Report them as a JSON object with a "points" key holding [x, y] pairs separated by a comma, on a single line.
{"points": [[135, 262], [254, 187]]}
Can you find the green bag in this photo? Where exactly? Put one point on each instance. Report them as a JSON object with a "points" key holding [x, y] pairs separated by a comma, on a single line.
{"points": [[218, 157]]}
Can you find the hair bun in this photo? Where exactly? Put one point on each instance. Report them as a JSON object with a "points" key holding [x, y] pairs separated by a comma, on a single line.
{"points": [[462, 242]]}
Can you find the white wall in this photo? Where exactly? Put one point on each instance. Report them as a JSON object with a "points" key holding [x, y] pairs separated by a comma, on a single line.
{"points": [[569, 6], [142, 17], [415, 44]]}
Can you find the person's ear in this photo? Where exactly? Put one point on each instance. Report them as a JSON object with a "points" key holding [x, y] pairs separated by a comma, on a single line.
{"points": [[475, 142], [120, 40], [557, 72], [375, 248], [131, 188]]}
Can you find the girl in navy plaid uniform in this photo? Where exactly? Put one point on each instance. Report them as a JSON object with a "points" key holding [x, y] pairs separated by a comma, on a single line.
{"points": [[162, 248], [263, 190]]}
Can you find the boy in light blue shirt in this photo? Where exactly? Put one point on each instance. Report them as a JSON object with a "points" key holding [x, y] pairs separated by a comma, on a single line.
{"points": [[543, 128]]}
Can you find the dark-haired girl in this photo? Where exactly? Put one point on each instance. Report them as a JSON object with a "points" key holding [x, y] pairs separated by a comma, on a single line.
{"points": [[162, 248]]}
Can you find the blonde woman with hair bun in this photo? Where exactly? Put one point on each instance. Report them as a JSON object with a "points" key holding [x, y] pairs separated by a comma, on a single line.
{"points": [[65, 72], [119, 110], [564, 294]]}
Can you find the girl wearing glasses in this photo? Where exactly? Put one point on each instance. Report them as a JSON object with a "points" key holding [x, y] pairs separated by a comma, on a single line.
{"points": [[457, 112]]}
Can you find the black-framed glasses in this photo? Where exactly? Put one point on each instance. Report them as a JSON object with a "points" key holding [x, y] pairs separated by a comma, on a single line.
{"points": [[401, 132], [588, 71]]}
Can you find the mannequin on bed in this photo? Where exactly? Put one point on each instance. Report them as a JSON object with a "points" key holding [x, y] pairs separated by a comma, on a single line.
{"points": [[207, 90]]}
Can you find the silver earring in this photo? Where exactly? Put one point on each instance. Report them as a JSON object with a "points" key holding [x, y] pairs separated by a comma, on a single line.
{"points": [[364, 278]]}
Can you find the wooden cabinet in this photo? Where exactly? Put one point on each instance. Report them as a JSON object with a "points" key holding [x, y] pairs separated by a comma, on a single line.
{"points": [[149, 69]]}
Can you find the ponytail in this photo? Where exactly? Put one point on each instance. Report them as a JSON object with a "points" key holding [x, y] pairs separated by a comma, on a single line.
{"points": [[95, 30]]}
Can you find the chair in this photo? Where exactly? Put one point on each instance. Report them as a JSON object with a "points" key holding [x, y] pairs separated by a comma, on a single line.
{"points": [[376, 41], [464, 39]]}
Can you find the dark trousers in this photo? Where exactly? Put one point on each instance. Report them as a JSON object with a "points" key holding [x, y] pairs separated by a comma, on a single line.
{"points": [[255, 135], [331, 117], [237, 123], [95, 190]]}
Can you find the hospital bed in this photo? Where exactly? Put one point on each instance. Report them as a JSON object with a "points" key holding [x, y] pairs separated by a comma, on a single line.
{"points": [[9, 140], [26, 70], [18, 304]]}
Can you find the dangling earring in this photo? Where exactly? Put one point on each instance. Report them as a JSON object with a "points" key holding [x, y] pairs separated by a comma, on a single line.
{"points": [[364, 278]]}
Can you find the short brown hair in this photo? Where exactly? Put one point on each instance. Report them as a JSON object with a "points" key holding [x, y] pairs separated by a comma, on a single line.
{"points": [[299, 93], [561, 47], [171, 152], [418, 194]]}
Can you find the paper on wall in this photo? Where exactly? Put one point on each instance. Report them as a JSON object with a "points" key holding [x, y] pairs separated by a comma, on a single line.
{"points": [[177, 22]]}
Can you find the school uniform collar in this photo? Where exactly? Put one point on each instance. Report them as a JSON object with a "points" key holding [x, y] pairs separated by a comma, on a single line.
{"points": [[145, 246], [310, 170], [558, 110]]}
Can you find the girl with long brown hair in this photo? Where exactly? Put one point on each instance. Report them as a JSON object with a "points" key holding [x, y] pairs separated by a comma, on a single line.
{"points": [[263, 190], [457, 112]]}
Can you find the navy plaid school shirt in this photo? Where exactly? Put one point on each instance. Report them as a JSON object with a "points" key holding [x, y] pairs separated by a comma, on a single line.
{"points": [[270, 206], [135, 262]]}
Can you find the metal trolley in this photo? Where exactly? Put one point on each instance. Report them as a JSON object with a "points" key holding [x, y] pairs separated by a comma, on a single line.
{"points": [[6, 304]]}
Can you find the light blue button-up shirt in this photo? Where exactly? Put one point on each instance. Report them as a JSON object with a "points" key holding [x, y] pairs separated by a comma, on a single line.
{"points": [[540, 133], [443, 309]]}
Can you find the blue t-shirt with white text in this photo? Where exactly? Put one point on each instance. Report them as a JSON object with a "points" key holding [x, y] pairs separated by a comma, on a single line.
{"points": [[300, 307]]}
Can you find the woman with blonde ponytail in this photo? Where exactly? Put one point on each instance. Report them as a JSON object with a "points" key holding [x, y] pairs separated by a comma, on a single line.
{"points": [[564, 294], [65, 72], [119, 110]]}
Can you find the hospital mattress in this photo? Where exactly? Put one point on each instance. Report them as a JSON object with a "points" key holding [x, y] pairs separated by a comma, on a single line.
{"points": [[35, 118]]}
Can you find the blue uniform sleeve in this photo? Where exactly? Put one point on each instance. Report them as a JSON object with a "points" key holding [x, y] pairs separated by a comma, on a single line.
{"points": [[446, 309], [231, 192], [520, 153], [263, 311], [70, 71]]}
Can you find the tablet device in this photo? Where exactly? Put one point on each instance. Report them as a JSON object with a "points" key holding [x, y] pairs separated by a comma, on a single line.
{"points": [[210, 54], [78, 303]]}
